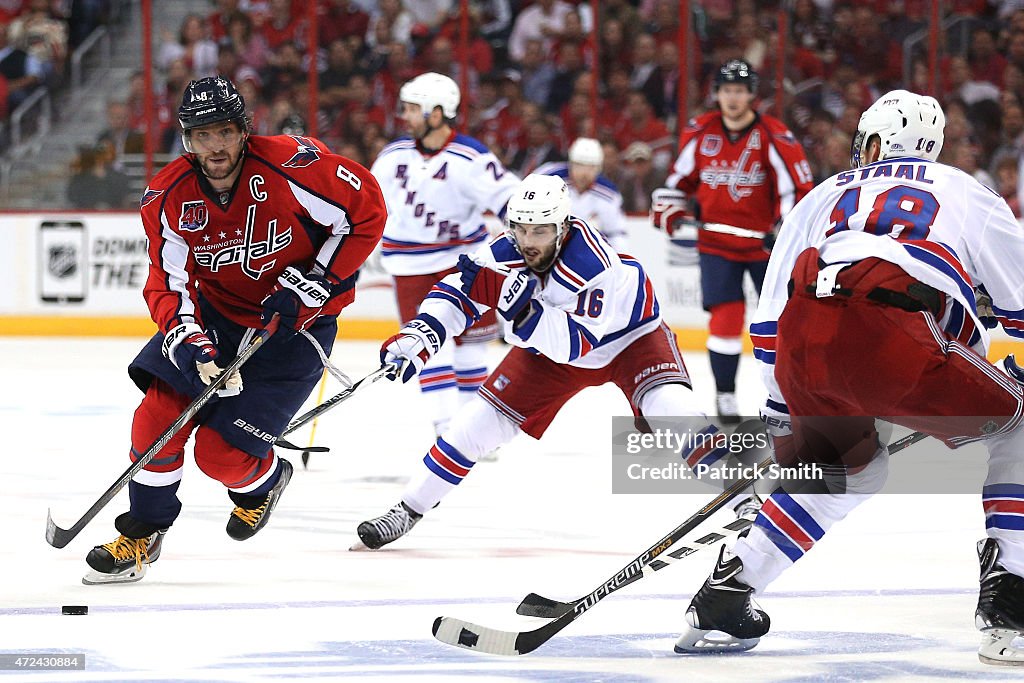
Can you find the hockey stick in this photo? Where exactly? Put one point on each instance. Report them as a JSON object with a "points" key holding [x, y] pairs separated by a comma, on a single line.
{"points": [[493, 641], [312, 430], [59, 537], [534, 605], [319, 410]]}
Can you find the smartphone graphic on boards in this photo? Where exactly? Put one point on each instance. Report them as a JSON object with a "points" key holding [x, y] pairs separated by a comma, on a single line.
{"points": [[63, 267]]}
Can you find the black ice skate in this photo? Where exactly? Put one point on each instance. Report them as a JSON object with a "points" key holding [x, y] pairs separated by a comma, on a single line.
{"points": [[1000, 613], [125, 560], [390, 526], [728, 408], [722, 616], [252, 512]]}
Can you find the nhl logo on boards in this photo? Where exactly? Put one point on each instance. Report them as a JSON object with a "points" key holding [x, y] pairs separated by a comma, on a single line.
{"points": [[62, 260], [194, 216]]}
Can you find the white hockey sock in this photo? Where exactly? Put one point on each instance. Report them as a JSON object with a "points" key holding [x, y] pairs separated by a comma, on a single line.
{"points": [[789, 525], [437, 384], [470, 365], [477, 429], [1003, 497], [701, 447]]}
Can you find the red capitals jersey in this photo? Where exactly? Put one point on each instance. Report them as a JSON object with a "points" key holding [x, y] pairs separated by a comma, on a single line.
{"points": [[748, 182], [295, 204]]}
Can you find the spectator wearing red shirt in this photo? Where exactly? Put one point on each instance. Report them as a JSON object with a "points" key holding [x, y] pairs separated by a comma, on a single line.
{"points": [[218, 21], [986, 63], [342, 19], [282, 25], [638, 123]]}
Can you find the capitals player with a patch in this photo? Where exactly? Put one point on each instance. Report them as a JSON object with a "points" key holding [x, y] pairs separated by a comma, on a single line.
{"points": [[594, 196], [577, 314], [741, 170], [438, 184], [869, 309], [240, 229]]}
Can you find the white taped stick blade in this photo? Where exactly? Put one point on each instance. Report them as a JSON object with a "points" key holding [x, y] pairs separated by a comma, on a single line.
{"points": [[1002, 647], [471, 636]]}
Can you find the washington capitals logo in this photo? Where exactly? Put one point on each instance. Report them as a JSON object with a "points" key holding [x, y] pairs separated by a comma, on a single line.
{"points": [[194, 216], [149, 195], [307, 153]]}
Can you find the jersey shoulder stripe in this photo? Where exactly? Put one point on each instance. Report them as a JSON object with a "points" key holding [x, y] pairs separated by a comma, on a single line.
{"points": [[558, 168], [470, 144], [405, 142], [506, 253]]}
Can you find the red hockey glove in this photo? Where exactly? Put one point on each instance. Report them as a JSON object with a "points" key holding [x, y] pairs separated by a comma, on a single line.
{"points": [[668, 209], [499, 287], [192, 352], [297, 298], [412, 347]]}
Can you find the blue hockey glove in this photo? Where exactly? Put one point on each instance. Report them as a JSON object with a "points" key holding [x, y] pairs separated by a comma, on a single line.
{"points": [[192, 352], [297, 298]]}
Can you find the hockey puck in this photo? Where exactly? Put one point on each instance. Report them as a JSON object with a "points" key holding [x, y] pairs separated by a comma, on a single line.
{"points": [[74, 609]]}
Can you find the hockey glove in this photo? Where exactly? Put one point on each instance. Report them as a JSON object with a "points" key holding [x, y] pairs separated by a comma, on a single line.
{"points": [[780, 431], [412, 347], [984, 308], [1010, 367], [297, 298], [497, 286], [192, 352], [668, 209]]}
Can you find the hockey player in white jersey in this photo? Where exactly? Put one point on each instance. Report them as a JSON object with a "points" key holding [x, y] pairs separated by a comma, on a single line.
{"points": [[577, 315], [868, 309], [438, 184], [594, 197]]}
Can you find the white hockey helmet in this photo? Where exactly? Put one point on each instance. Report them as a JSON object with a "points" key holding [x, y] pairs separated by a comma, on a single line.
{"points": [[586, 151], [539, 200], [907, 125], [431, 90]]}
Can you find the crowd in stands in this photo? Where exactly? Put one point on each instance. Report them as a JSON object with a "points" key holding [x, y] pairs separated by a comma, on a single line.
{"points": [[532, 65]]}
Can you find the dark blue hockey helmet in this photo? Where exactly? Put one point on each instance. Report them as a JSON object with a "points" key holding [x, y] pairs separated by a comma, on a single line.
{"points": [[737, 71], [211, 100]]}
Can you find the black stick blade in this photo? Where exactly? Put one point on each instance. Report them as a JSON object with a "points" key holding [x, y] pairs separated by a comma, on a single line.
{"points": [[56, 536], [534, 605]]}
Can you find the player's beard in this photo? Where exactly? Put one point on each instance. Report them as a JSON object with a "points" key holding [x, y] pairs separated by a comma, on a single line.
{"points": [[544, 257], [231, 169]]}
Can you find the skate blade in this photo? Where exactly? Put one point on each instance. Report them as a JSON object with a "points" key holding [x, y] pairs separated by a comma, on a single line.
{"points": [[708, 641], [95, 578], [360, 547], [998, 648]]}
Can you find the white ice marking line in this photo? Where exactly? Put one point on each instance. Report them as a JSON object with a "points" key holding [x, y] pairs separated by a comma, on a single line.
{"points": [[335, 604]]}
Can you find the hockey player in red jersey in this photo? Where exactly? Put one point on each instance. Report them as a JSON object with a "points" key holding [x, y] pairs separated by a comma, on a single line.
{"points": [[240, 229], [741, 169]]}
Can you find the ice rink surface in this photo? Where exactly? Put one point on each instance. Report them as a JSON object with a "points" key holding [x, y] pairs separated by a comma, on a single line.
{"points": [[888, 595]]}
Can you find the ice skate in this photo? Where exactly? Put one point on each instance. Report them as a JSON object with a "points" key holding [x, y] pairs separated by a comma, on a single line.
{"points": [[1000, 613], [748, 507], [125, 559], [395, 523], [721, 616], [728, 408], [252, 514]]}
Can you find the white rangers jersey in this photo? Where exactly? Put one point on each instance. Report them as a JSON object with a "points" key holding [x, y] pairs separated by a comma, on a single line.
{"points": [[588, 307], [436, 202], [937, 223], [600, 205]]}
